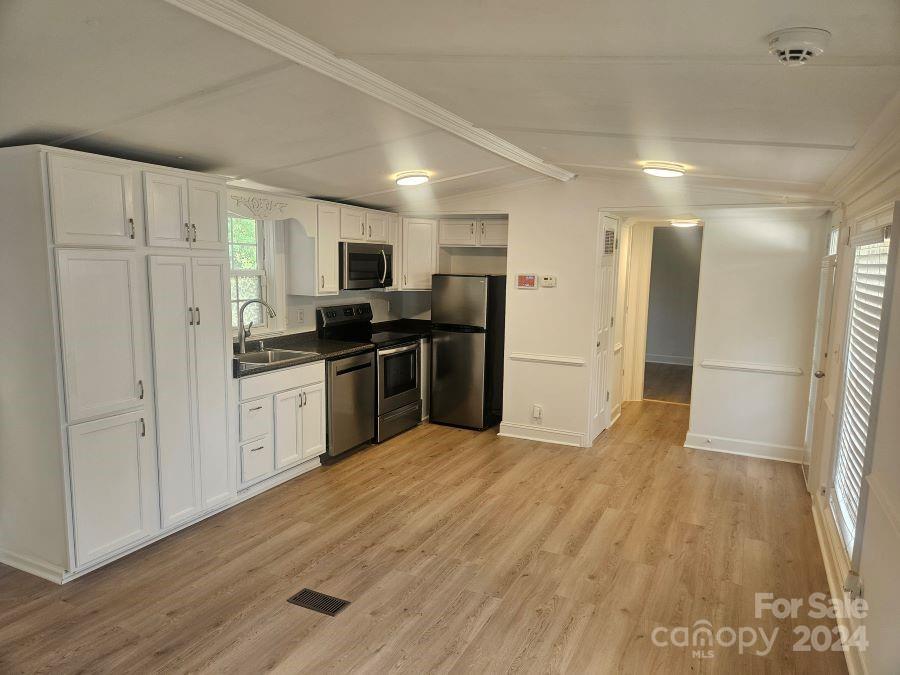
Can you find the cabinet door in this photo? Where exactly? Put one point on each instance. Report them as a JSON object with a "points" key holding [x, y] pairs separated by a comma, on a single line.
{"points": [[493, 233], [327, 249], [206, 203], [171, 305], [312, 422], [91, 201], [419, 259], [376, 226], [288, 435], [168, 223], [212, 336], [458, 233], [353, 223], [113, 485], [100, 318]]}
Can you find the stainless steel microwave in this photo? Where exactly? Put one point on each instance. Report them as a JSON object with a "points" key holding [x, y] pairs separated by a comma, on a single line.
{"points": [[366, 265]]}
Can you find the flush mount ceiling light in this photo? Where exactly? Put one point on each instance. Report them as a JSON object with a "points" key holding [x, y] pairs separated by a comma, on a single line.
{"points": [[411, 178], [796, 46], [663, 169], [683, 222]]}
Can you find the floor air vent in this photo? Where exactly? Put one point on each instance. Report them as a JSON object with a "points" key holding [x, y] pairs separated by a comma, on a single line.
{"points": [[318, 602]]}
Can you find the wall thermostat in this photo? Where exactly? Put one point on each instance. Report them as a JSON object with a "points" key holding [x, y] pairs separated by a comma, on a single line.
{"points": [[527, 280], [548, 281]]}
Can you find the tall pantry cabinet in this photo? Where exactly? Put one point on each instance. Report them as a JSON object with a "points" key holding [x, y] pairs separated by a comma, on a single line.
{"points": [[113, 417]]}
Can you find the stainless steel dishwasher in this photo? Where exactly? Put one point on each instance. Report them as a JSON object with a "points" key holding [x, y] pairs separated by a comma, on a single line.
{"points": [[351, 402]]}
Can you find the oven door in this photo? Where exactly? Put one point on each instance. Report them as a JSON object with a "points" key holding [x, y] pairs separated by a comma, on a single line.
{"points": [[366, 265], [398, 377]]}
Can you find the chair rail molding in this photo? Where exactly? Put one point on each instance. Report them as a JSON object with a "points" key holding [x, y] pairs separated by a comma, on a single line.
{"points": [[256, 27], [554, 359], [746, 366]]}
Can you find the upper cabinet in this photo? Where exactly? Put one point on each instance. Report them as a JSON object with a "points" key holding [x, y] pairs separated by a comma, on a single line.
{"points": [[311, 248], [419, 253], [184, 212], [490, 232], [92, 201], [377, 226], [353, 224]]}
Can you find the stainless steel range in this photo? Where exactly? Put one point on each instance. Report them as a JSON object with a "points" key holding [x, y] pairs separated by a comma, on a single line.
{"points": [[398, 387]]}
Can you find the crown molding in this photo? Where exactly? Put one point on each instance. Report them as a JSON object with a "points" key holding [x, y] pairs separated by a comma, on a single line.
{"points": [[241, 20]]}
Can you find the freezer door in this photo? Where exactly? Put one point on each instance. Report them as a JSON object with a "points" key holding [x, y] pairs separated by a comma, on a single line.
{"points": [[457, 378], [459, 300]]}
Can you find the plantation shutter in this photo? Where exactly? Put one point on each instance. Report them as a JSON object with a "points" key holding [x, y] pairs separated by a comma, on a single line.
{"points": [[866, 298]]}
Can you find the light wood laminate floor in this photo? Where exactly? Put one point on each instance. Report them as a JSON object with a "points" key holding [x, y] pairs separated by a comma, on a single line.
{"points": [[667, 382], [460, 551]]}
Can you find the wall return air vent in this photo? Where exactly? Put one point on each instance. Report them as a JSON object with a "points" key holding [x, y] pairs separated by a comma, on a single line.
{"points": [[796, 46]]}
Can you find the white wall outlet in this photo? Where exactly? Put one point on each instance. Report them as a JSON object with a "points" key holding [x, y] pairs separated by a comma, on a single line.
{"points": [[298, 316], [548, 280], [537, 412]]}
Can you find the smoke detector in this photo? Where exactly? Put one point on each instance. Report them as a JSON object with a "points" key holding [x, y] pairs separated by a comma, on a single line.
{"points": [[796, 46]]}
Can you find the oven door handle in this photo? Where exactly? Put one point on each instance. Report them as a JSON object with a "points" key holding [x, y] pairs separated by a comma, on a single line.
{"points": [[384, 257], [398, 350]]}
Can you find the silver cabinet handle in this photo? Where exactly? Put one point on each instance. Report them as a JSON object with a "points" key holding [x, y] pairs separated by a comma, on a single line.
{"points": [[197, 309], [370, 231], [482, 229], [194, 230], [404, 279], [304, 397], [472, 228], [362, 229], [131, 223], [140, 385], [191, 312], [259, 407], [143, 428], [255, 449], [187, 232], [323, 281]]}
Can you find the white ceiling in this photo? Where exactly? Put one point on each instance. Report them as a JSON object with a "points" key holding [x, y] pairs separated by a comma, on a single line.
{"points": [[594, 88]]}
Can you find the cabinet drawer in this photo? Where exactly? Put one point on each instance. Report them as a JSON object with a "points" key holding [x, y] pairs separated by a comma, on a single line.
{"points": [[257, 459], [256, 418], [265, 384]]}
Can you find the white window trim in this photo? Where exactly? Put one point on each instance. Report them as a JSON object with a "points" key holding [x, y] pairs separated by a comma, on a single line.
{"points": [[271, 285]]}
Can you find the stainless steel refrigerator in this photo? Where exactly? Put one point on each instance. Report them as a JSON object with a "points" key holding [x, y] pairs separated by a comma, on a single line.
{"points": [[468, 316]]}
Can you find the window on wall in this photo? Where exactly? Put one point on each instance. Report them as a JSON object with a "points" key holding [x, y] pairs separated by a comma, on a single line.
{"points": [[870, 266], [246, 251]]}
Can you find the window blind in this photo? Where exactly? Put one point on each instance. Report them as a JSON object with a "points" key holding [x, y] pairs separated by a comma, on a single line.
{"points": [[866, 298]]}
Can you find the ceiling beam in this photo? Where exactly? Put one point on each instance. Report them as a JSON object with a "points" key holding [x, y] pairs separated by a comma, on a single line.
{"points": [[241, 20]]}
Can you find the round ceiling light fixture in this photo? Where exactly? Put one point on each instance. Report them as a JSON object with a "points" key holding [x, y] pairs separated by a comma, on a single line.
{"points": [[796, 46], [407, 178], [663, 169], [684, 222]]}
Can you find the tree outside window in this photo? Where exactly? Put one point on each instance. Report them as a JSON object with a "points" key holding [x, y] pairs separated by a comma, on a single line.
{"points": [[246, 253]]}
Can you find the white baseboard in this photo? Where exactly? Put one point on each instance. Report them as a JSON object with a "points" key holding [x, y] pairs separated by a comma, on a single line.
{"points": [[737, 446], [670, 359], [38, 568], [532, 432]]}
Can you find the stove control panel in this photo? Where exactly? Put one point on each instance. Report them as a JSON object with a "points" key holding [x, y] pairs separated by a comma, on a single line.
{"points": [[338, 314]]}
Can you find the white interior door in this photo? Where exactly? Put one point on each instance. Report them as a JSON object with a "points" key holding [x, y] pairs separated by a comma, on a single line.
{"points": [[113, 491], [288, 434], [212, 335], [168, 222], [207, 209], [172, 309], [312, 423], [605, 298], [91, 201], [100, 317]]}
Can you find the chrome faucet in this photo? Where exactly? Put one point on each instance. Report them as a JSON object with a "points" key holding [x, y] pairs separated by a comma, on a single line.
{"points": [[244, 332]]}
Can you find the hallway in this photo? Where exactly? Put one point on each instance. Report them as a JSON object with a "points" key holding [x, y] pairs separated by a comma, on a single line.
{"points": [[667, 383]]}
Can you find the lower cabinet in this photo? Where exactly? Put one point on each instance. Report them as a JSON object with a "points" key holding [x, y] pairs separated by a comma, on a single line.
{"points": [[113, 475], [282, 419]]}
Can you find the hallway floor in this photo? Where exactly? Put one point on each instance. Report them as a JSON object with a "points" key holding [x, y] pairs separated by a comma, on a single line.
{"points": [[668, 383], [460, 551]]}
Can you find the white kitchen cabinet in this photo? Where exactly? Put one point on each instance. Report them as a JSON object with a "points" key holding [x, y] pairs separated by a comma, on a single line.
{"points": [[457, 233], [113, 472], [288, 422], [377, 226], [184, 212], [256, 418], [493, 233], [100, 321], [419, 253], [312, 423], [394, 239], [190, 341], [91, 201], [257, 460], [207, 210], [311, 249], [353, 224]]}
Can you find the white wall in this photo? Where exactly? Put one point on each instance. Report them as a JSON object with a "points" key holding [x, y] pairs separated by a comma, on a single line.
{"points": [[552, 230], [674, 283], [757, 303]]}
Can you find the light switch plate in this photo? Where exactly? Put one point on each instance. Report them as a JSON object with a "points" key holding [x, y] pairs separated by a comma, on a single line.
{"points": [[548, 280]]}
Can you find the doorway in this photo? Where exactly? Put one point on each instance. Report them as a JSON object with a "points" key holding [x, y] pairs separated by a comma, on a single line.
{"points": [[672, 314]]}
